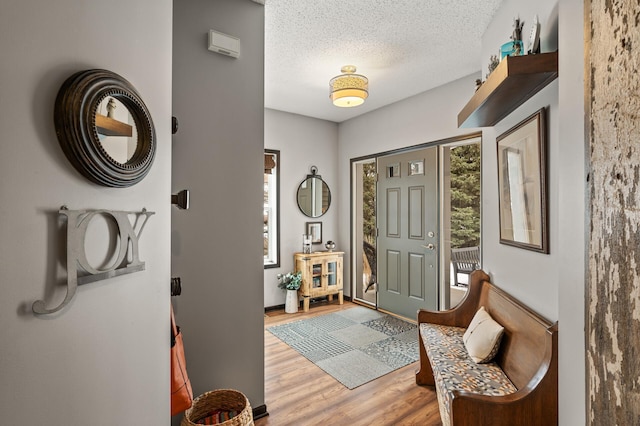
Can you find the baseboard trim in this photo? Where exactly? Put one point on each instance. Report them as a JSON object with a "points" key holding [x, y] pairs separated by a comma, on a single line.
{"points": [[260, 412], [312, 302], [273, 308]]}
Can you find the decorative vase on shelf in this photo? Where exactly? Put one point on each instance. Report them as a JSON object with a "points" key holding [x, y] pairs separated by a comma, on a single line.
{"points": [[291, 303], [306, 243]]}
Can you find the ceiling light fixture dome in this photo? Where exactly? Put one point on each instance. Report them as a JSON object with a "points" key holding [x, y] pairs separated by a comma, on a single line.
{"points": [[348, 89]]}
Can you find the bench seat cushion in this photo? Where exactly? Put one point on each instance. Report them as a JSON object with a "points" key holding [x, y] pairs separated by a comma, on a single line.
{"points": [[453, 368]]}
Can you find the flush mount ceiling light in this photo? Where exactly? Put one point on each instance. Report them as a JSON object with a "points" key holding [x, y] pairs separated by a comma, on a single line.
{"points": [[348, 89]]}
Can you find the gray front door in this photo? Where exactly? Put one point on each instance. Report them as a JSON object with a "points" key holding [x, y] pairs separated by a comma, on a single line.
{"points": [[408, 232]]}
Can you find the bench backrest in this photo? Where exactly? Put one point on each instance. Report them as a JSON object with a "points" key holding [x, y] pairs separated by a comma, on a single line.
{"points": [[529, 343], [465, 260]]}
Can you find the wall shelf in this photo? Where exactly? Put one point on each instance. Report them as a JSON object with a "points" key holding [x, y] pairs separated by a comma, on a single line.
{"points": [[516, 79], [109, 127]]}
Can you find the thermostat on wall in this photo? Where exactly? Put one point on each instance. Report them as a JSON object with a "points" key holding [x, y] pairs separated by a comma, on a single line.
{"points": [[224, 44]]}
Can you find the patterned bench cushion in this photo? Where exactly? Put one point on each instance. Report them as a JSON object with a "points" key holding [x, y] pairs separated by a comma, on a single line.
{"points": [[453, 368]]}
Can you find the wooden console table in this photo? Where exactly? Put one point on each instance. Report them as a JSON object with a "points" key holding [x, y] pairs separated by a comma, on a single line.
{"points": [[321, 275]]}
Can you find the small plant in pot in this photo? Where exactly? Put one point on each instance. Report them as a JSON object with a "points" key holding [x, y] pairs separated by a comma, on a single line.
{"points": [[291, 282]]}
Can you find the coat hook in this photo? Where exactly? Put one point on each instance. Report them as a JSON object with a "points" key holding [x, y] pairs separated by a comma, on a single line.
{"points": [[181, 199], [174, 125], [176, 286]]}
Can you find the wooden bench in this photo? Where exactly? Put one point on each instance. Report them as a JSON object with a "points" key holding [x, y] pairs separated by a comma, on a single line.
{"points": [[528, 356]]}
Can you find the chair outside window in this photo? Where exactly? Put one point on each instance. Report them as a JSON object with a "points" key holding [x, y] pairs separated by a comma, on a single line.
{"points": [[465, 261]]}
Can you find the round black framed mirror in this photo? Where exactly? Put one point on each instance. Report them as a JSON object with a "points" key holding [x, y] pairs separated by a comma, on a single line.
{"points": [[314, 195], [104, 128]]}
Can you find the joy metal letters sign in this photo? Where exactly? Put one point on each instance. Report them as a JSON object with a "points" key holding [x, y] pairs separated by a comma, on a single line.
{"points": [[79, 270]]}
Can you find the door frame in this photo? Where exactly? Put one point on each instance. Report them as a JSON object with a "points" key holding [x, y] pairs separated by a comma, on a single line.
{"points": [[451, 141], [445, 215], [353, 255]]}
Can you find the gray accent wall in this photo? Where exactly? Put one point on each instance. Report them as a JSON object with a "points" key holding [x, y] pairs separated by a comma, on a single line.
{"points": [[216, 245], [103, 359]]}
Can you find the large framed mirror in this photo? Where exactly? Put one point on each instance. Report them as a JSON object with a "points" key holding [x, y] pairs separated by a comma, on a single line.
{"points": [[104, 128], [314, 196]]}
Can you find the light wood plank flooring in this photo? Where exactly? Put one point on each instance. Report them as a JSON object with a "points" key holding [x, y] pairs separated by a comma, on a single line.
{"points": [[299, 393]]}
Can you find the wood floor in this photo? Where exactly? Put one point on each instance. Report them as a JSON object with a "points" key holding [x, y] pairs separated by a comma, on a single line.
{"points": [[299, 393]]}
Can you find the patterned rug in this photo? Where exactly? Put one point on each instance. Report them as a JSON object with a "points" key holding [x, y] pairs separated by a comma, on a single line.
{"points": [[354, 346]]}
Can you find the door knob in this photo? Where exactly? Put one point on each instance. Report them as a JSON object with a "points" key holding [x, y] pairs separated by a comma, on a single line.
{"points": [[429, 246]]}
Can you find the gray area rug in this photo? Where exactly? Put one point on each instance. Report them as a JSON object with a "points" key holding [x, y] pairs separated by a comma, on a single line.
{"points": [[354, 346]]}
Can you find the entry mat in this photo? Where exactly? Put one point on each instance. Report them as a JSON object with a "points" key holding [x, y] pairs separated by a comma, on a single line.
{"points": [[355, 345]]}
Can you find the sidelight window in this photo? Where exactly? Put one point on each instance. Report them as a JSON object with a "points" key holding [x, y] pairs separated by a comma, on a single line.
{"points": [[271, 215]]}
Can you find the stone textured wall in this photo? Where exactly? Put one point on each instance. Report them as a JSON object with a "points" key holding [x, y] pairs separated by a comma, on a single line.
{"points": [[613, 303]]}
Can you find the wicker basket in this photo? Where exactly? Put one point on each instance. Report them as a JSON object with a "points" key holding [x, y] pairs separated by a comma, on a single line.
{"points": [[221, 399]]}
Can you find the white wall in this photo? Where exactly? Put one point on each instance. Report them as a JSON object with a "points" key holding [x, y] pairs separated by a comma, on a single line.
{"points": [[303, 142], [572, 212], [104, 359], [501, 27], [218, 156]]}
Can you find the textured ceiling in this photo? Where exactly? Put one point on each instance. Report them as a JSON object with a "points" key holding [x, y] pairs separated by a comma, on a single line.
{"points": [[404, 47]]}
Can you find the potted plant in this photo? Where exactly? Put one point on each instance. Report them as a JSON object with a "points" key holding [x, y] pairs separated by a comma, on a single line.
{"points": [[290, 282]]}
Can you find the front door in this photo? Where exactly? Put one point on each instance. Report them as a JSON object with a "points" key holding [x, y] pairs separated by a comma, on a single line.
{"points": [[408, 228]]}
